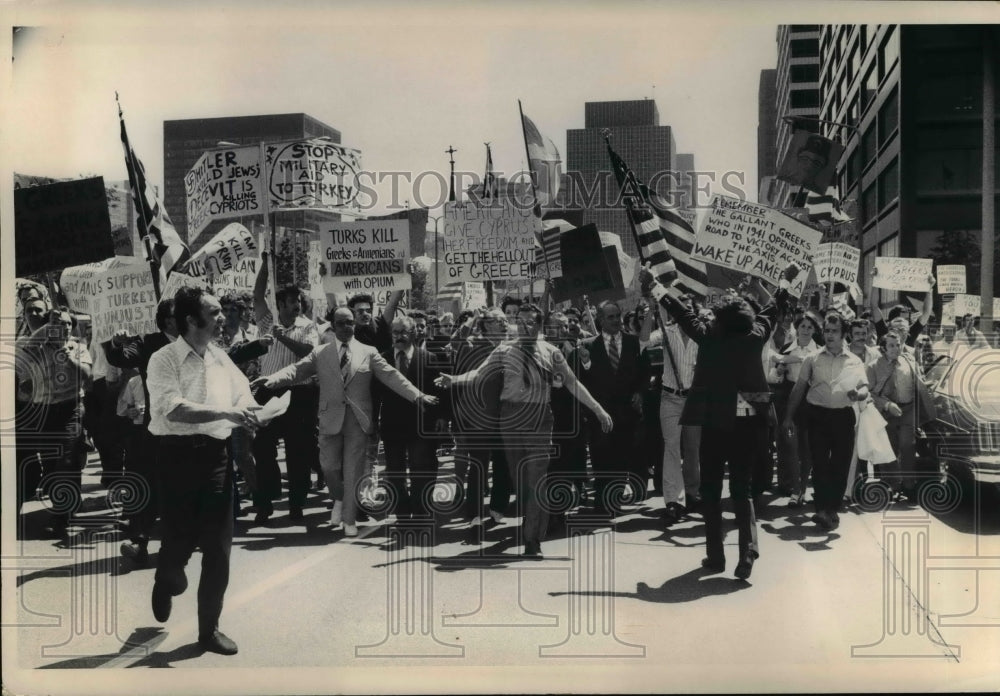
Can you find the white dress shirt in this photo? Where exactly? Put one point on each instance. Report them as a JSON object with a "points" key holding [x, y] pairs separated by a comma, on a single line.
{"points": [[177, 374]]}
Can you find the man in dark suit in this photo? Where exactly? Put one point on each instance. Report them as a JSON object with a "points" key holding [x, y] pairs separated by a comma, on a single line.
{"points": [[610, 366], [408, 431], [730, 400]]}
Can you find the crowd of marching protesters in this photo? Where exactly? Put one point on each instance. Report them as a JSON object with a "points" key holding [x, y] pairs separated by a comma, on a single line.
{"points": [[545, 412]]}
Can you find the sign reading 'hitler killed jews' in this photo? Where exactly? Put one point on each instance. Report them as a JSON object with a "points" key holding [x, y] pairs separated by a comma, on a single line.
{"points": [[495, 241], [755, 239], [61, 224], [223, 184], [312, 174], [364, 256]]}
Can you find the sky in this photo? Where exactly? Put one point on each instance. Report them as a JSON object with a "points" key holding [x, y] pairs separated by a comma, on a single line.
{"points": [[402, 81]]}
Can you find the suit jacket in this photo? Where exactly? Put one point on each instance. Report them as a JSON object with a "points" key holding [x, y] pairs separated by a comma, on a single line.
{"points": [[613, 389], [879, 372], [727, 364], [336, 394], [399, 417]]}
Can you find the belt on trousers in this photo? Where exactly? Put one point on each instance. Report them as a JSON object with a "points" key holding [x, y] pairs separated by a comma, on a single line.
{"points": [[190, 440], [678, 392]]}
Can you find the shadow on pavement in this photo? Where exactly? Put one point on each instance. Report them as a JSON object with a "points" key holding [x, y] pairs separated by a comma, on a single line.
{"points": [[688, 587], [146, 638]]}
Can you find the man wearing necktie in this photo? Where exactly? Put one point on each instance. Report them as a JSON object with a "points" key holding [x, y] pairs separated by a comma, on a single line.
{"points": [[345, 369], [407, 430], [610, 367]]}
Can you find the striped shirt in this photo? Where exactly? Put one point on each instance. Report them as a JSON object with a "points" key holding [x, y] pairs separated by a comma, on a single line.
{"points": [[685, 354], [278, 355]]}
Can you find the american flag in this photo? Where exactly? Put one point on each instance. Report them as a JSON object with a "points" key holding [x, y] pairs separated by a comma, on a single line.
{"points": [[826, 209], [452, 292], [167, 247], [549, 241], [665, 239]]}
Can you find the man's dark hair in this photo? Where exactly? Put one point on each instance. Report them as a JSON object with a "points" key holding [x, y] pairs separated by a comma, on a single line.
{"points": [[187, 303], [858, 324], [534, 309], [415, 314], [895, 334], [573, 312], [164, 310], [286, 293], [464, 315], [835, 319], [733, 315], [508, 300], [897, 310], [361, 297]]}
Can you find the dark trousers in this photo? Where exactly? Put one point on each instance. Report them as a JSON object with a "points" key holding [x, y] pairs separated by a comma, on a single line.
{"points": [[107, 429], [297, 427], [831, 442], [569, 435], [478, 456], [612, 456], [197, 504], [414, 457], [741, 447], [50, 441], [140, 447]]}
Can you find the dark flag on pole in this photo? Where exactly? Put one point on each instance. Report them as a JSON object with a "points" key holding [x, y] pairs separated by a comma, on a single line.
{"points": [[665, 239], [166, 246], [491, 187]]}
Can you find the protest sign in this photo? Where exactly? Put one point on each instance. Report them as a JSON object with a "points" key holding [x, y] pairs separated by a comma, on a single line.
{"points": [[177, 280], [305, 174], [474, 295], [626, 263], [495, 241], [364, 256], [837, 263], [228, 263], [950, 279], [117, 293], [752, 238], [315, 278], [586, 268], [901, 273], [223, 183], [60, 225]]}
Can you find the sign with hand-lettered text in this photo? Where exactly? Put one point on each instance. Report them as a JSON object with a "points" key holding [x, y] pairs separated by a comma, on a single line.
{"points": [[117, 293], [950, 279], [752, 238], [312, 174], [229, 262], [223, 183], [894, 273], [364, 256], [837, 263], [492, 241]]}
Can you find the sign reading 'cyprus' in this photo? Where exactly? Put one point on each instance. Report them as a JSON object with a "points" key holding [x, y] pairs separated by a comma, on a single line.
{"points": [[494, 241]]}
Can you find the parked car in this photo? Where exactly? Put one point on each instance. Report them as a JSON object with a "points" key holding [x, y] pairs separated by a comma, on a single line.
{"points": [[964, 440]]}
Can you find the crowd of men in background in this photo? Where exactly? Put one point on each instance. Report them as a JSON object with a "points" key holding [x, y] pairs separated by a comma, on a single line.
{"points": [[551, 411]]}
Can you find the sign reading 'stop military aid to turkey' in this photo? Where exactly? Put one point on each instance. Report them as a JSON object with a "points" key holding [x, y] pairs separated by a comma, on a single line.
{"points": [[752, 238], [364, 256], [489, 241], [223, 184], [312, 174]]}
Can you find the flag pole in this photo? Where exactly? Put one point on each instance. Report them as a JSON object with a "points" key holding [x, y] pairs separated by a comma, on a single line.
{"points": [[534, 196], [154, 263]]}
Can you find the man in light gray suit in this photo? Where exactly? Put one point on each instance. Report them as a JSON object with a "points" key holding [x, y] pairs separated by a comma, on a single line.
{"points": [[345, 368]]}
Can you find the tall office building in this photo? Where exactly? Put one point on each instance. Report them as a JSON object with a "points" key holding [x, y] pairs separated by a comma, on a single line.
{"points": [[184, 141], [767, 131], [914, 95], [646, 146], [797, 91]]}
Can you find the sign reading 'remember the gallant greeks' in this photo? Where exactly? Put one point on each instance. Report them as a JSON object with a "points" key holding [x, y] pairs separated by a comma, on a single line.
{"points": [[364, 256], [950, 279], [752, 238], [491, 241], [223, 184], [312, 174], [117, 293], [902, 274]]}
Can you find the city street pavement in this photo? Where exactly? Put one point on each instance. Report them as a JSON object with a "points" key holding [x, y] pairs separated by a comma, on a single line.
{"points": [[893, 600]]}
